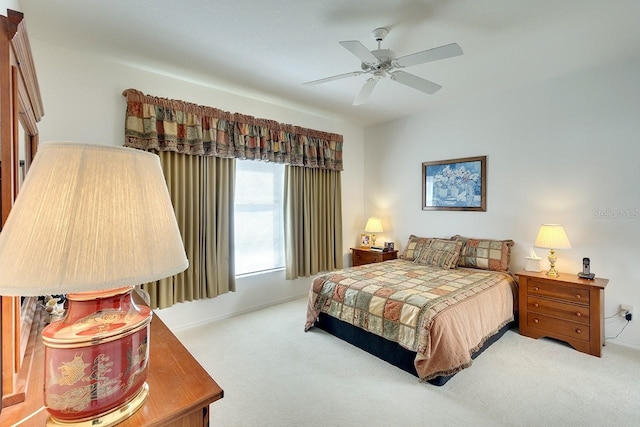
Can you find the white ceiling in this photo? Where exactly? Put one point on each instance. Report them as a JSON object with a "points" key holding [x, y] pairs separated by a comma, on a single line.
{"points": [[267, 48]]}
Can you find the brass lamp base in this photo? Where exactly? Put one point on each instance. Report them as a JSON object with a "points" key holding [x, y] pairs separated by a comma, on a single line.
{"points": [[553, 272], [109, 419], [552, 264]]}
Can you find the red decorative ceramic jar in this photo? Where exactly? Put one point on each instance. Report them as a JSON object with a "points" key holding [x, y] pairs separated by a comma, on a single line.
{"points": [[97, 356]]}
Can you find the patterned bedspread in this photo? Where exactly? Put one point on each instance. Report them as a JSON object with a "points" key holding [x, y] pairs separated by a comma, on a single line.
{"points": [[398, 299]]}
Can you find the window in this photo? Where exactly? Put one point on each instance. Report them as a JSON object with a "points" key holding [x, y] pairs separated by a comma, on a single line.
{"points": [[259, 234]]}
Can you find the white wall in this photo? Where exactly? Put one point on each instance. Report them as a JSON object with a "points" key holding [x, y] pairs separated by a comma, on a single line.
{"points": [[562, 151], [82, 96], [9, 4]]}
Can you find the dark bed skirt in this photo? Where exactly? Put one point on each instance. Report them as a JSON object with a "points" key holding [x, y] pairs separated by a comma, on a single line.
{"points": [[386, 350]]}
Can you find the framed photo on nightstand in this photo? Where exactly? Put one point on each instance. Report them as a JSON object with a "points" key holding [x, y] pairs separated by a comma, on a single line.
{"points": [[365, 240]]}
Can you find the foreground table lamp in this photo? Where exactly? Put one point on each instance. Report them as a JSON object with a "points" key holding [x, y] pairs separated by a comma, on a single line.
{"points": [[374, 225], [91, 222], [552, 237]]}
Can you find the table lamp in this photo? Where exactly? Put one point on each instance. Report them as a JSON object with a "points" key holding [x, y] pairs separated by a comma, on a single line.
{"points": [[374, 225], [91, 222], [552, 237]]}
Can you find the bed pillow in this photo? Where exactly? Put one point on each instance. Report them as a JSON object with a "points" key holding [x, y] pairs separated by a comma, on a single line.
{"points": [[441, 253], [414, 246], [485, 254]]}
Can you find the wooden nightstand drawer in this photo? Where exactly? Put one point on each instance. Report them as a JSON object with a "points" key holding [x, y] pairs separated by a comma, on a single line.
{"points": [[571, 312], [362, 256], [558, 291], [557, 326]]}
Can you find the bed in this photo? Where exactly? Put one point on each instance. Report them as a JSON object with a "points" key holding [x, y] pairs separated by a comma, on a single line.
{"points": [[429, 312]]}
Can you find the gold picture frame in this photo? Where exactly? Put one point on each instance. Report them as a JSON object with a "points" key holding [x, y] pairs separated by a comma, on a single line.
{"points": [[365, 240]]}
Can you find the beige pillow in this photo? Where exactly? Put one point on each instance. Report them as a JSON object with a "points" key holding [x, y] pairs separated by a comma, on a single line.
{"points": [[441, 253], [485, 254], [414, 246]]}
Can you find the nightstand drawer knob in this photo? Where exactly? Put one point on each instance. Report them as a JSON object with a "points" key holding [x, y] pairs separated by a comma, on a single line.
{"points": [[536, 321], [535, 288], [577, 296], [578, 314], [536, 305], [578, 331]]}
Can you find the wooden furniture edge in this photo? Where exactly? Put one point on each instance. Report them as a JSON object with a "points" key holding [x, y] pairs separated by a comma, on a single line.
{"points": [[597, 282], [21, 105], [22, 379]]}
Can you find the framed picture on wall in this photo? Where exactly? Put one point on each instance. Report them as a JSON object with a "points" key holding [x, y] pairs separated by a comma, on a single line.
{"points": [[365, 240], [455, 185]]}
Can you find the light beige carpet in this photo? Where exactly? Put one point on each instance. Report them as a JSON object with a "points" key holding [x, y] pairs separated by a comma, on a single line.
{"points": [[274, 374]]}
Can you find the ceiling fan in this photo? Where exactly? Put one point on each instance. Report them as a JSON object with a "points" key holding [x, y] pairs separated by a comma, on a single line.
{"points": [[381, 63]]}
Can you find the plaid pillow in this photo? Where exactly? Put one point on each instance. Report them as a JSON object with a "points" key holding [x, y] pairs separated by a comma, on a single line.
{"points": [[441, 253], [485, 254], [414, 246]]}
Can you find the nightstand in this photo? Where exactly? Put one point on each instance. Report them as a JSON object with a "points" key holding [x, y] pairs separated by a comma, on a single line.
{"points": [[361, 256], [567, 308]]}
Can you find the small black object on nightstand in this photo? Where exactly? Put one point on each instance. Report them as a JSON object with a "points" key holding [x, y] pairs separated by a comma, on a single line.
{"points": [[586, 270]]}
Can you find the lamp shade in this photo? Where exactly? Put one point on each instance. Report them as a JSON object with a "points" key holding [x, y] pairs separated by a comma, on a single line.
{"points": [[374, 225], [89, 217], [552, 236]]}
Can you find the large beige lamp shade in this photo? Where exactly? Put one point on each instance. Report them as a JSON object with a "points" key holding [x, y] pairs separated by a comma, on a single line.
{"points": [[374, 225], [92, 221], [552, 237], [89, 217]]}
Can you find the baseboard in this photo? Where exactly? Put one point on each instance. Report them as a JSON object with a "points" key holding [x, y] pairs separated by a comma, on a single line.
{"points": [[201, 322], [622, 343]]}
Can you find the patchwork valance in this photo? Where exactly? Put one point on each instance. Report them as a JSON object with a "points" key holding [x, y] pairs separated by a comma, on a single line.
{"points": [[160, 124]]}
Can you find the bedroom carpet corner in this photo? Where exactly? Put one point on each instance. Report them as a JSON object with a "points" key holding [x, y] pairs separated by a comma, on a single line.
{"points": [[275, 374]]}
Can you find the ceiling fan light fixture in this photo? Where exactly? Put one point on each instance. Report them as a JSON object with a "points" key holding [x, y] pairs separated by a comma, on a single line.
{"points": [[379, 75]]}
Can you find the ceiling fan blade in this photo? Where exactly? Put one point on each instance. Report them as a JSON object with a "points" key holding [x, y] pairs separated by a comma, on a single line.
{"points": [[329, 79], [366, 90], [359, 50], [429, 55], [415, 82]]}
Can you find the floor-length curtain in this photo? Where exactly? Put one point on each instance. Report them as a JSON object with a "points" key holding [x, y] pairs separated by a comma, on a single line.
{"points": [[201, 190], [313, 221]]}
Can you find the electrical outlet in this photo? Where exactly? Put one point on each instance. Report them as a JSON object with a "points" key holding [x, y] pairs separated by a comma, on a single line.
{"points": [[625, 309]]}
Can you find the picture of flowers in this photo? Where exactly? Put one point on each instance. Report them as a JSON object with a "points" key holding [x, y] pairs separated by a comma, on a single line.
{"points": [[458, 184]]}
